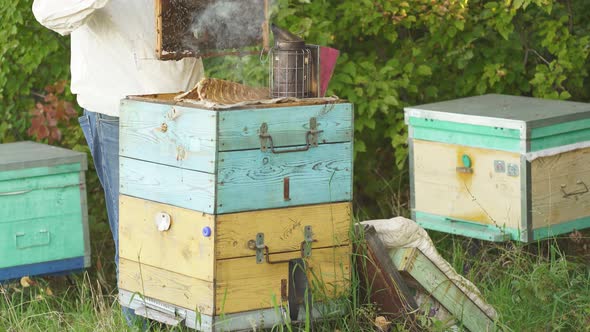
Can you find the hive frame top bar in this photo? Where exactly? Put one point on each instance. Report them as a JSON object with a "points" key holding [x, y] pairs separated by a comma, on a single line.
{"points": [[513, 112], [169, 100]]}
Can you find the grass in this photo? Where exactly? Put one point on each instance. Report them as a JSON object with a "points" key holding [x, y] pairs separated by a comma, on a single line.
{"points": [[543, 286], [539, 287]]}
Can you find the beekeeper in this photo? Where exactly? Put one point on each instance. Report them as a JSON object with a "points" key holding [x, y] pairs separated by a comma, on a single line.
{"points": [[113, 47]]}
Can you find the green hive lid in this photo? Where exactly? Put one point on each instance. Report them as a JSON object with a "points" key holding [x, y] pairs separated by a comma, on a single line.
{"points": [[503, 110], [22, 155]]}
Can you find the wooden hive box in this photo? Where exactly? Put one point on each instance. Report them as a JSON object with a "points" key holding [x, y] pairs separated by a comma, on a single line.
{"points": [[216, 204], [43, 213], [498, 167]]}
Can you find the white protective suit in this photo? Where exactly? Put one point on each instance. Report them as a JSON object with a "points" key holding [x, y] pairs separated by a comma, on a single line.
{"points": [[113, 46]]}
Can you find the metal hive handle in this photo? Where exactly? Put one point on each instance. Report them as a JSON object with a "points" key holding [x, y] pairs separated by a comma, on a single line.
{"points": [[576, 192], [311, 139]]}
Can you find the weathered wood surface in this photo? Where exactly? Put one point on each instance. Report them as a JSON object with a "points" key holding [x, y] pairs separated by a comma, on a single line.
{"points": [[283, 229], [550, 206], [31, 198], [247, 180], [170, 135], [170, 185], [288, 126], [444, 290], [27, 155], [251, 180], [166, 286], [41, 239], [181, 249], [380, 280], [243, 285], [483, 196]]}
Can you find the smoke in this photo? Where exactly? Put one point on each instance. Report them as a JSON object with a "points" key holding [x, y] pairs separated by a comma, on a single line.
{"points": [[225, 24]]}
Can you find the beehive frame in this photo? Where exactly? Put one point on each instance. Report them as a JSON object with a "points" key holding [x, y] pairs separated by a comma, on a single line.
{"points": [[171, 14]]}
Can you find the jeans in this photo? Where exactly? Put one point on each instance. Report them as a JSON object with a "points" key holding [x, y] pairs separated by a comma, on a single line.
{"points": [[102, 135]]}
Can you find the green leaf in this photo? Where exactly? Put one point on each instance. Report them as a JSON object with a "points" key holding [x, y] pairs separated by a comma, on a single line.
{"points": [[424, 70]]}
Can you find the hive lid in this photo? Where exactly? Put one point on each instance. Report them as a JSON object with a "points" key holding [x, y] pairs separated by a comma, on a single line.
{"points": [[23, 155], [206, 28], [503, 110]]}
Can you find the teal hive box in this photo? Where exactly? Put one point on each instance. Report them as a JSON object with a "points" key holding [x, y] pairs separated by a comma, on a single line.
{"points": [[499, 167], [43, 213]]}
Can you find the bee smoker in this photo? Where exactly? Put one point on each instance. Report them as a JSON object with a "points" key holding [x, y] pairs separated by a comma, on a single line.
{"points": [[293, 66]]}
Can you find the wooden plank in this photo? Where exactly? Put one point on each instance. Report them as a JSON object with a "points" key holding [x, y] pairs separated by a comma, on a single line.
{"points": [[244, 285], [253, 180], [380, 280], [444, 290], [170, 135], [170, 185], [23, 155], [283, 229], [68, 265], [41, 239], [40, 171], [21, 204], [158, 13], [496, 138], [140, 240], [84, 213], [549, 206], [239, 129], [163, 285], [483, 196]]}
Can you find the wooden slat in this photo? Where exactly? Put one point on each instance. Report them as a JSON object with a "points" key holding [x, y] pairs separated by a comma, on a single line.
{"points": [[252, 180], [283, 229], [444, 290], [41, 239], [380, 280], [239, 129], [483, 196], [549, 206], [166, 286], [243, 285], [158, 15], [182, 249], [21, 204], [166, 184], [27, 155], [170, 135]]}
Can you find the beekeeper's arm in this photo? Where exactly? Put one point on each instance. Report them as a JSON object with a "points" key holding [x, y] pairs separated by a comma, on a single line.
{"points": [[65, 16]]}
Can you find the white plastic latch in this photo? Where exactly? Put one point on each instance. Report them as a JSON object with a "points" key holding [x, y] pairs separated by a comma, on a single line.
{"points": [[163, 221]]}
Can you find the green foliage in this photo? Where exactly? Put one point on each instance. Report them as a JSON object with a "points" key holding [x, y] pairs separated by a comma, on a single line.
{"points": [[31, 57], [397, 53]]}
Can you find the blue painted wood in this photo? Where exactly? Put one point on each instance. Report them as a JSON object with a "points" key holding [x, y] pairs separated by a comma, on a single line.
{"points": [[46, 268], [166, 184], [239, 129], [167, 134], [253, 180], [247, 180]]}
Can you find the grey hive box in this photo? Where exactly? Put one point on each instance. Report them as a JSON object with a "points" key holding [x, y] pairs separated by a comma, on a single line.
{"points": [[43, 213], [499, 167]]}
